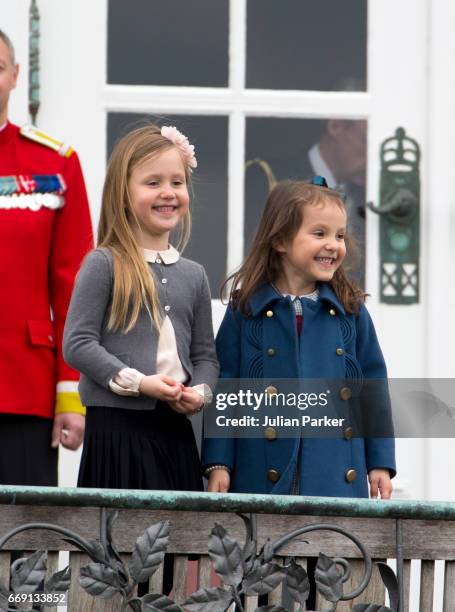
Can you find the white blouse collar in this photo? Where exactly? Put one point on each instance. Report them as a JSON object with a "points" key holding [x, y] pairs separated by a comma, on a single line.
{"points": [[168, 256], [314, 295]]}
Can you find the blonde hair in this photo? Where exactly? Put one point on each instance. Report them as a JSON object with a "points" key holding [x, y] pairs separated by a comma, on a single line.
{"points": [[280, 221], [134, 285]]}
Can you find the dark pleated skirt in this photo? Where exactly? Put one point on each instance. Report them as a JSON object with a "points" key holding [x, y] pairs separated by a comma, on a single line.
{"points": [[139, 449]]}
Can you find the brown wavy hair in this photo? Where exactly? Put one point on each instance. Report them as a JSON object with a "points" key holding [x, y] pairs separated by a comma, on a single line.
{"points": [[280, 222], [134, 286]]}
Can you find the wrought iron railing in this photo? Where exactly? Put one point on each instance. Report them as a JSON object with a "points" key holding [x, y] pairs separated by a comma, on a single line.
{"points": [[253, 542]]}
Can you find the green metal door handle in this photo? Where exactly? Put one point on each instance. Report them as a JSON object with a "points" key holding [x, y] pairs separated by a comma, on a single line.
{"points": [[399, 225], [401, 205]]}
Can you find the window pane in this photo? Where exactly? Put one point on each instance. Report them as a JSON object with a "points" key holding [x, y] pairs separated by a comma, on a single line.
{"points": [[316, 44], [209, 202], [168, 42], [298, 149]]}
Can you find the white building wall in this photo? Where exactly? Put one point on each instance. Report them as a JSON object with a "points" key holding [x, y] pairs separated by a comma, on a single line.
{"points": [[439, 228]]}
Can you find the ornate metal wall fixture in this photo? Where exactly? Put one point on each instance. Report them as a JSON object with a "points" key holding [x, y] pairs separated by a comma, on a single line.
{"points": [[242, 570], [399, 209], [266, 168], [33, 70]]}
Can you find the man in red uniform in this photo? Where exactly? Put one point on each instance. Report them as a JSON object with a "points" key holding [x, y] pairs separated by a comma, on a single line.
{"points": [[45, 231]]}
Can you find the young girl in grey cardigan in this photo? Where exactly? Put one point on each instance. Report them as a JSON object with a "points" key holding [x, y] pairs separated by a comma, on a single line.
{"points": [[139, 326]]}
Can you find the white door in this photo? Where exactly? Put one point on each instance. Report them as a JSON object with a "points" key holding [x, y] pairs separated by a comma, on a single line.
{"points": [[254, 79]]}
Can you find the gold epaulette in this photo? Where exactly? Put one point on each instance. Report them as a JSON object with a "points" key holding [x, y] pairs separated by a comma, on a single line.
{"points": [[33, 133]]}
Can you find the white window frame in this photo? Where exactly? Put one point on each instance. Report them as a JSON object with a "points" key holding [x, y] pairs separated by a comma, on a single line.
{"points": [[237, 103]]}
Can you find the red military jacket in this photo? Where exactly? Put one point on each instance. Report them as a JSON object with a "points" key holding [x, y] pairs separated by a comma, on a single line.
{"points": [[43, 239]]}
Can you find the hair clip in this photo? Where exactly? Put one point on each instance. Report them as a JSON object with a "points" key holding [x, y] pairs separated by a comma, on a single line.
{"points": [[320, 181], [343, 195], [181, 141]]}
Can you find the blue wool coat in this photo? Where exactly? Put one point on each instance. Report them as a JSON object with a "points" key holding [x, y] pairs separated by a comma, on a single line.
{"points": [[323, 464]]}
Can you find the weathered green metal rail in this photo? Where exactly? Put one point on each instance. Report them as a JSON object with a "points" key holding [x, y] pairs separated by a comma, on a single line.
{"points": [[227, 502]]}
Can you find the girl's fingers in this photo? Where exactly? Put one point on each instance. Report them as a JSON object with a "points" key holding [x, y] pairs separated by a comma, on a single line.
{"points": [[172, 393], [169, 381], [386, 489]]}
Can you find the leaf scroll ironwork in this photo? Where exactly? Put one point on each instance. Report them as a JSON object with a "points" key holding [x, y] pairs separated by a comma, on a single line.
{"points": [[149, 550], [214, 599], [241, 568], [329, 581], [226, 556], [158, 603], [263, 579], [297, 583], [59, 582], [106, 575], [27, 576], [28, 573], [99, 580]]}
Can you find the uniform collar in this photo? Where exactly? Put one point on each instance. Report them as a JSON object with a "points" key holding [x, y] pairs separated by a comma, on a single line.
{"points": [[168, 256], [8, 132], [266, 295]]}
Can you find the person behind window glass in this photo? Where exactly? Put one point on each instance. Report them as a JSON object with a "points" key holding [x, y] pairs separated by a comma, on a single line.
{"points": [[340, 155]]}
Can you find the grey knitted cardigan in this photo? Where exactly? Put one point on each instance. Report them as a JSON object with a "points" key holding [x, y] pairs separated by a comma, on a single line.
{"points": [[100, 354]]}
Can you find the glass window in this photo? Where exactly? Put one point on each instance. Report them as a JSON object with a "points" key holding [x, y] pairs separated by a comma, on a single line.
{"points": [[208, 244], [298, 149], [168, 42], [316, 44]]}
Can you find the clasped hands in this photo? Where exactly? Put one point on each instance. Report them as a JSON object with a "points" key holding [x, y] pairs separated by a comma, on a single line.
{"points": [[180, 398]]}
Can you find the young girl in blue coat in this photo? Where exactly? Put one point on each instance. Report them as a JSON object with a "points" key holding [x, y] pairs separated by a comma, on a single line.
{"points": [[293, 313]]}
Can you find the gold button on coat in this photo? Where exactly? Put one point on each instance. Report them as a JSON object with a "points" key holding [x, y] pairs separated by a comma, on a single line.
{"points": [[270, 352], [339, 351], [270, 433], [332, 312], [271, 390], [269, 313], [350, 475], [345, 393], [273, 475], [348, 433]]}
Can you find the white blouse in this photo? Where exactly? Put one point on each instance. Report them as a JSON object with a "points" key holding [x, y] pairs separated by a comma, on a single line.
{"points": [[127, 381]]}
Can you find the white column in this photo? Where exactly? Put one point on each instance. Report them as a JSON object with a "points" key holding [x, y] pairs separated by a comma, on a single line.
{"points": [[397, 83], [438, 232], [73, 73]]}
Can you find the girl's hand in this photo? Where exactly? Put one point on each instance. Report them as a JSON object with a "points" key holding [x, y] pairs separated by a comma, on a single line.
{"points": [[189, 402], [160, 386], [380, 483], [219, 481]]}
